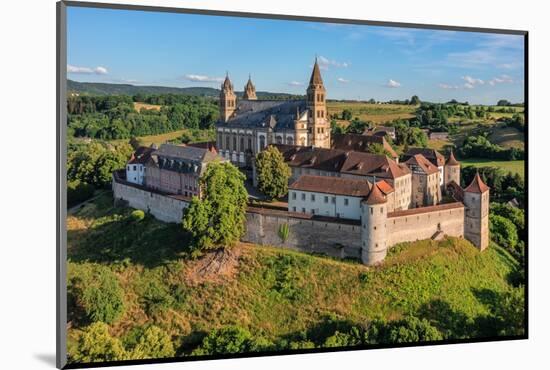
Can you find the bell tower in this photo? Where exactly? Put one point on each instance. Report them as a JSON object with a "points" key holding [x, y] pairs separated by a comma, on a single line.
{"points": [[318, 126], [228, 100]]}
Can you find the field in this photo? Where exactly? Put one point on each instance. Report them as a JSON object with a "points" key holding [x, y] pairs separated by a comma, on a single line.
{"points": [[512, 166], [377, 113], [507, 137], [195, 135], [139, 106], [278, 293]]}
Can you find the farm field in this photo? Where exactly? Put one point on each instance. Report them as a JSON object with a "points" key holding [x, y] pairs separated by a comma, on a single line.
{"points": [[275, 293], [196, 135], [139, 106], [507, 166], [377, 113]]}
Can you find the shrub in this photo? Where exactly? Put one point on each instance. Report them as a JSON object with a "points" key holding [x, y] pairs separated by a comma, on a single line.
{"points": [[156, 297], [99, 295], [407, 330], [283, 232], [96, 344], [137, 215]]}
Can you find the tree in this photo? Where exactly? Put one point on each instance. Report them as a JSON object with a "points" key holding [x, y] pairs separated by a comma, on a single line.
{"points": [[346, 114], [97, 344], [503, 231], [99, 294], [503, 103], [415, 100], [357, 126], [218, 219], [154, 343], [231, 339], [408, 330], [272, 173], [509, 312]]}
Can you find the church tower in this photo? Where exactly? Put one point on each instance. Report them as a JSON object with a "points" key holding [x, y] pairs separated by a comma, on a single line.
{"points": [[476, 218], [228, 100], [318, 126], [249, 90]]}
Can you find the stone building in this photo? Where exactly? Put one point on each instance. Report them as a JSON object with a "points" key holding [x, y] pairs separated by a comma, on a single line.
{"points": [[431, 155], [426, 189], [175, 169], [248, 125], [350, 164], [331, 197], [135, 168]]}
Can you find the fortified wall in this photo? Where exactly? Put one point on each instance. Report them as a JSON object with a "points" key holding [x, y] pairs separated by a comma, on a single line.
{"points": [[368, 239], [164, 207]]}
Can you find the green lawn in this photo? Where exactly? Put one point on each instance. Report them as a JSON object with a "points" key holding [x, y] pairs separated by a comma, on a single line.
{"points": [[277, 293], [512, 166]]}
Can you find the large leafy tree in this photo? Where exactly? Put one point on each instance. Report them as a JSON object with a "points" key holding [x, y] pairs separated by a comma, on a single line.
{"points": [[97, 344], [272, 173], [154, 343], [218, 219]]}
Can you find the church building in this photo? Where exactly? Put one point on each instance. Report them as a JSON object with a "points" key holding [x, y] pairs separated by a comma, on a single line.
{"points": [[248, 125]]}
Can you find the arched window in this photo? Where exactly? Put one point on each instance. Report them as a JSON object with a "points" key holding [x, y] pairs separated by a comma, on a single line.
{"points": [[279, 139], [290, 140], [234, 143], [249, 144]]}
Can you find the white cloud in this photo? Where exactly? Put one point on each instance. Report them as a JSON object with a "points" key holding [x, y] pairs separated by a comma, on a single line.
{"points": [[392, 83], [502, 79], [87, 70], [342, 80], [203, 78], [446, 86], [325, 63], [473, 81], [468, 85], [295, 83]]}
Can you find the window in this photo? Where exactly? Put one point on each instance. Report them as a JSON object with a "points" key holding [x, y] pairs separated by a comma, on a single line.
{"points": [[128, 168], [293, 209], [333, 200], [303, 196], [234, 143], [262, 142], [134, 167], [303, 210], [371, 211], [313, 197], [312, 211], [293, 195], [346, 201], [326, 199], [242, 145]]}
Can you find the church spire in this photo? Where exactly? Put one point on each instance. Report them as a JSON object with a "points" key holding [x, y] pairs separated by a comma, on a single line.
{"points": [[249, 90], [316, 75]]}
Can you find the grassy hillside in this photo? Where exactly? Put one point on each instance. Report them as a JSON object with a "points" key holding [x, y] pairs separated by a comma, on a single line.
{"points": [[512, 166], [274, 293]]}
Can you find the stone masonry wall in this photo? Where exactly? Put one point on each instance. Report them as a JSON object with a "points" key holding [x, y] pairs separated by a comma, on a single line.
{"points": [[164, 208], [334, 239], [411, 226]]}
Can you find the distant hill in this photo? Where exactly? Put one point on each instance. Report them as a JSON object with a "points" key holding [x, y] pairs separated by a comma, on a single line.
{"points": [[100, 88]]}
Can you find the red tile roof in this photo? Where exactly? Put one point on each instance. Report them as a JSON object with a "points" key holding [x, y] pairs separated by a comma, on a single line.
{"points": [[432, 155], [141, 155], [477, 185], [452, 161], [360, 143], [420, 210], [376, 196], [332, 185], [421, 161]]}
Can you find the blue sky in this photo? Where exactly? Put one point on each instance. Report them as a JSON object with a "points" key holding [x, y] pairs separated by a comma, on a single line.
{"points": [[357, 62]]}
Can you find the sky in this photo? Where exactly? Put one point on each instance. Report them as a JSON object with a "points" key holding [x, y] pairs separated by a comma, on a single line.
{"points": [[357, 61]]}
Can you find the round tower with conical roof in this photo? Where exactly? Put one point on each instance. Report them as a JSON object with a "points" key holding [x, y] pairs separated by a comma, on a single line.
{"points": [[249, 90], [451, 170], [476, 217], [374, 213], [318, 123], [228, 99]]}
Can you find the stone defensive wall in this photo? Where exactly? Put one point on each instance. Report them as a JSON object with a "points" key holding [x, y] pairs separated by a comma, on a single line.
{"points": [[164, 207], [313, 234], [425, 223]]}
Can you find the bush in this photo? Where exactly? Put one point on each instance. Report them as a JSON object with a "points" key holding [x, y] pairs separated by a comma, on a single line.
{"points": [[96, 344], [156, 297], [137, 215], [99, 294]]}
